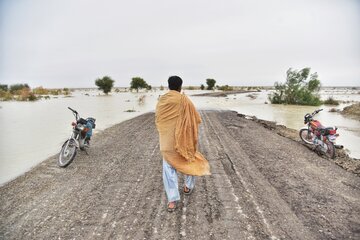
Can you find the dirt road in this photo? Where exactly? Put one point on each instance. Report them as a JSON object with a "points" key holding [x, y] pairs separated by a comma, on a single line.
{"points": [[263, 186]]}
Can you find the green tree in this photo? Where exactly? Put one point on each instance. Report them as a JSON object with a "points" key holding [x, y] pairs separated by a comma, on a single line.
{"points": [[211, 83], [4, 87], [202, 87], [138, 83], [105, 84], [300, 88], [16, 88]]}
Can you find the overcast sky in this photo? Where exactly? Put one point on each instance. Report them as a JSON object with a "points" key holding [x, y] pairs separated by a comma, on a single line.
{"points": [[70, 43]]}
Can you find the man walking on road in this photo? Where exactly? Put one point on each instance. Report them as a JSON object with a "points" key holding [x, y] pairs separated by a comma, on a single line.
{"points": [[177, 123]]}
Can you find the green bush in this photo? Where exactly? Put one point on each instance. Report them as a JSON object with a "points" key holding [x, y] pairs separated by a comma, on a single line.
{"points": [[300, 88]]}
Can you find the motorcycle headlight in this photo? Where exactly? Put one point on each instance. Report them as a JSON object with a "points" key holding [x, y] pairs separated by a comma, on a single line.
{"points": [[80, 127]]}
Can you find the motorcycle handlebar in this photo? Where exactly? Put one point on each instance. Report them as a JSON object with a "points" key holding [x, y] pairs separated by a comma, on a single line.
{"points": [[73, 110], [317, 111]]}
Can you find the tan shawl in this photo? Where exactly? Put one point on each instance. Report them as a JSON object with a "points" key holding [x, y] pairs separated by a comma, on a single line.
{"points": [[177, 122]]}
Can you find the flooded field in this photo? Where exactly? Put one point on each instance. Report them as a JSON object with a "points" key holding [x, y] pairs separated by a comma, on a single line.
{"points": [[33, 131]]}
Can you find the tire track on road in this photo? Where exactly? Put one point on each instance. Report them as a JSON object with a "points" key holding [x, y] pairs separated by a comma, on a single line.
{"points": [[262, 201]]}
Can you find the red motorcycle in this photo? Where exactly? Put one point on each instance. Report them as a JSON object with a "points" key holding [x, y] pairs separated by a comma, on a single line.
{"points": [[315, 133]]}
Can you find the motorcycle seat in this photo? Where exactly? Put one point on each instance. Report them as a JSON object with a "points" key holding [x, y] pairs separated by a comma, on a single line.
{"points": [[328, 130]]}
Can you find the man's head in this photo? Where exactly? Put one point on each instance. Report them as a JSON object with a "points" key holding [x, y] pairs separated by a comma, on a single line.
{"points": [[175, 83]]}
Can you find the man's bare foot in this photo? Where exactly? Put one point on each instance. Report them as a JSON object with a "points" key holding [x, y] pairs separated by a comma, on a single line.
{"points": [[171, 206]]}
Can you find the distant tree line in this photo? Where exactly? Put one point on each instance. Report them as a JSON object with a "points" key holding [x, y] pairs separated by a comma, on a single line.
{"points": [[23, 92]]}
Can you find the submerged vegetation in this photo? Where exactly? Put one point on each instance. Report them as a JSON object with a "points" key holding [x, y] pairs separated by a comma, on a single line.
{"points": [[300, 88], [331, 101], [23, 92]]}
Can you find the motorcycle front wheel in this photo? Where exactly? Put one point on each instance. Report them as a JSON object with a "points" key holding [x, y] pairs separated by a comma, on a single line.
{"points": [[306, 136], [67, 153], [330, 150]]}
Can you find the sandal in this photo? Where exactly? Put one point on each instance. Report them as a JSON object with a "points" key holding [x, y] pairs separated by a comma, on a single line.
{"points": [[187, 191], [173, 208]]}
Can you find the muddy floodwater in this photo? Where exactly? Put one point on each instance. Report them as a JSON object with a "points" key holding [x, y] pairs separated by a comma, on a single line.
{"points": [[33, 131]]}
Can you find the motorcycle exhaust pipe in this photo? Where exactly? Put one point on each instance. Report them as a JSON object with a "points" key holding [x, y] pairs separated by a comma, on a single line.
{"points": [[339, 146]]}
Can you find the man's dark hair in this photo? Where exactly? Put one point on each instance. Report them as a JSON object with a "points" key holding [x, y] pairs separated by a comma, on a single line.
{"points": [[175, 83]]}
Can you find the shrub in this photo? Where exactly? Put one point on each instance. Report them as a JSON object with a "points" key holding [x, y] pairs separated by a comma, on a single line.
{"points": [[40, 91], [5, 95], [4, 87], [24, 94], [66, 91], [32, 97], [331, 101], [226, 88]]}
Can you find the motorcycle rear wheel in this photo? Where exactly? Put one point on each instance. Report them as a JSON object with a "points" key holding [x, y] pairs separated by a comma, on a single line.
{"points": [[306, 136], [67, 153]]}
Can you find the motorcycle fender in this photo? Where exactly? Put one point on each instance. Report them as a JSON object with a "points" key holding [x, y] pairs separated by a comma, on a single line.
{"points": [[306, 128], [76, 142]]}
